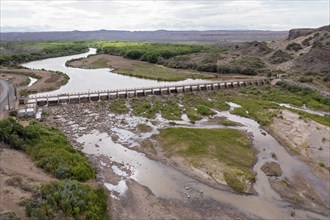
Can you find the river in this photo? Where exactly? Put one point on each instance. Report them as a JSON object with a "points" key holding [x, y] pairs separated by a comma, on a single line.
{"points": [[147, 172], [84, 80]]}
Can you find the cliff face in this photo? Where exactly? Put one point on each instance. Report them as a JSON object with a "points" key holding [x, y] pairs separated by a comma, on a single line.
{"points": [[295, 33]]}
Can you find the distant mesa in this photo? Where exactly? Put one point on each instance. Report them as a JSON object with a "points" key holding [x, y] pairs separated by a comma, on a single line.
{"points": [[161, 36]]}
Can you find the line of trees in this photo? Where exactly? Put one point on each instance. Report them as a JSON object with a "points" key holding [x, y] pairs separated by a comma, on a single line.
{"points": [[16, 53]]}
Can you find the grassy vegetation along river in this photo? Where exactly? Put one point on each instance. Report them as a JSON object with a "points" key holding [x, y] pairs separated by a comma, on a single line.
{"points": [[68, 197]]}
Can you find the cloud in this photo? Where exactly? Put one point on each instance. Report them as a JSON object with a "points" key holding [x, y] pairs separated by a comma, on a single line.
{"points": [[153, 15]]}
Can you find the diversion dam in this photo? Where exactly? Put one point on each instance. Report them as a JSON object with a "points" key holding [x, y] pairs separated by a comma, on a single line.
{"points": [[83, 97]]}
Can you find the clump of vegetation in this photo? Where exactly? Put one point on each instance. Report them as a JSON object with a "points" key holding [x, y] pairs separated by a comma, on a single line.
{"points": [[249, 62], [264, 47], [144, 128], [24, 93], [233, 181], [297, 95], [48, 147], [171, 111], [8, 216], [118, 106], [306, 79], [204, 110], [280, 56], [229, 146], [14, 181], [145, 108], [323, 165], [255, 108], [193, 114], [71, 199], [52, 152], [306, 42], [294, 46], [258, 100]]}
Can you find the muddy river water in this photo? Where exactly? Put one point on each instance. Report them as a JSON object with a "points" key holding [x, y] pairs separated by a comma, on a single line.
{"points": [[163, 180], [84, 80]]}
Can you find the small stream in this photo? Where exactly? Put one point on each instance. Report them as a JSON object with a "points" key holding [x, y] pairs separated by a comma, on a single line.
{"points": [[305, 109], [167, 182], [32, 81]]}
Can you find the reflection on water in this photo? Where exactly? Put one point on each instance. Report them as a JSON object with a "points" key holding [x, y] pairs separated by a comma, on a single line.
{"points": [[84, 80]]}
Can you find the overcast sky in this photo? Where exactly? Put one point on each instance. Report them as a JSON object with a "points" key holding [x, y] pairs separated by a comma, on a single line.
{"points": [[49, 15]]}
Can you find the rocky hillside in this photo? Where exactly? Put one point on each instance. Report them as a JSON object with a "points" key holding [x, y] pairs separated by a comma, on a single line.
{"points": [[307, 52], [303, 56]]}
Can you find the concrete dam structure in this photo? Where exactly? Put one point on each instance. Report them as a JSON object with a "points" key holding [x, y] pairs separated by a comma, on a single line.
{"points": [[29, 105]]}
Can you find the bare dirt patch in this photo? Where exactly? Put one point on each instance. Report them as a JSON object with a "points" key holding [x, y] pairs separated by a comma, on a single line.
{"points": [[300, 194], [18, 179], [309, 139], [140, 203]]}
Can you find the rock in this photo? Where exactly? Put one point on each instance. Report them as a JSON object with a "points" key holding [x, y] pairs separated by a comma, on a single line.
{"points": [[271, 169], [187, 188], [292, 213], [274, 156]]}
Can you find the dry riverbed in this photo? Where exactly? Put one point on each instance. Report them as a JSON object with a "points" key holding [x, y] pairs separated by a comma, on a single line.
{"points": [[305, 137], [129, 199], [106, 138]]}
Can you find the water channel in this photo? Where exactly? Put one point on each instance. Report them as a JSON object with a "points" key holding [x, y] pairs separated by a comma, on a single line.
{"points": [[84, 80], [147, 172]]}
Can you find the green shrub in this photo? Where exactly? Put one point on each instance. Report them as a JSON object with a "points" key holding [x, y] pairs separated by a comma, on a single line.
{"points": [[5, 215], [294, 46], [48, 147], [171, 111], [193, 115], [118, 106], [234, 182], [305, 79], [145, 108], [204, 110], [71, 199], [13, 134]]}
